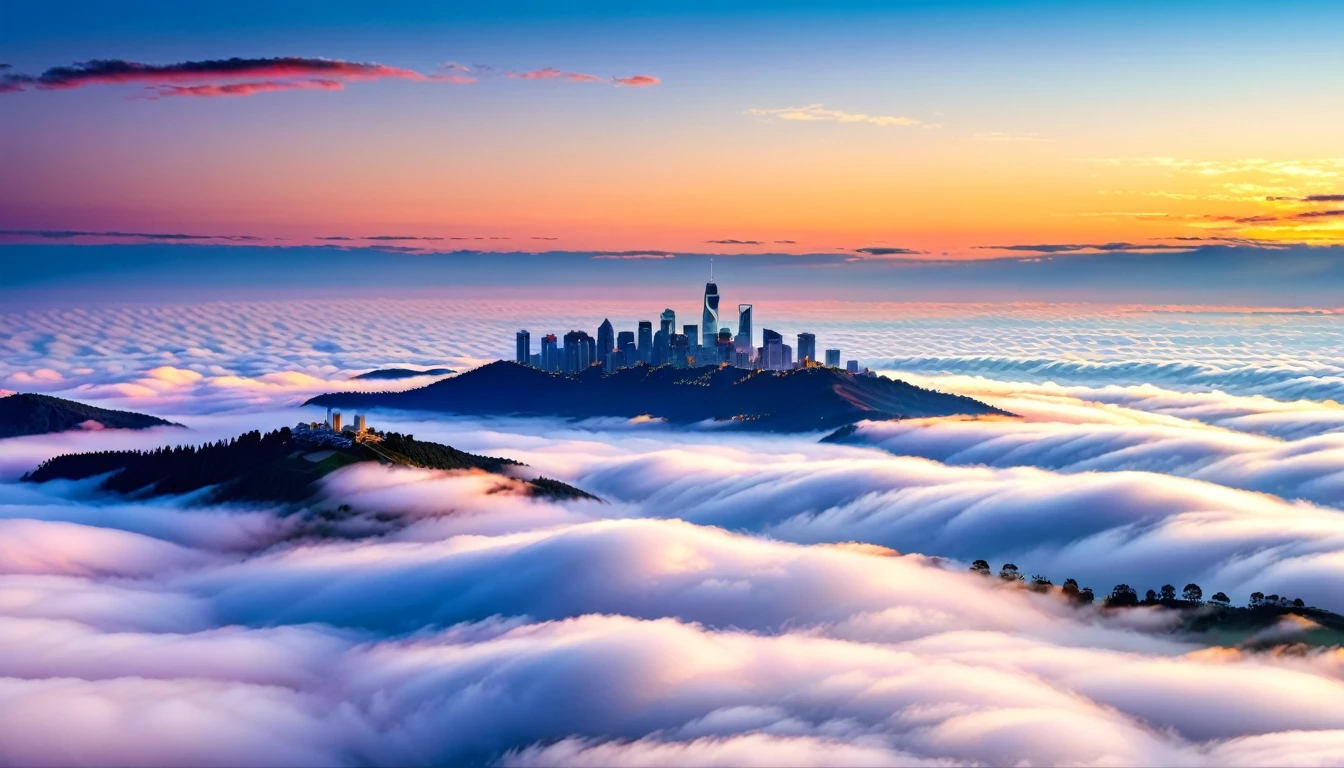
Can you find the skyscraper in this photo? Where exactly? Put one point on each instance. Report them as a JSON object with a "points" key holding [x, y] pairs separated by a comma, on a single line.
{"points": [[832, 358], [709, 319], [646, 341], [606, 340], [579, 349], [667, 322], [724, 342], [680, 350], [772, 350], [524, 352], [625, 343], [550, 353], [744, 329], [807, 348]]}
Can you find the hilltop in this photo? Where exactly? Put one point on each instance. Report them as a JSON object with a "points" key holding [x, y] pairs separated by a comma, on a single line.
{"points": [[393, 374], [32, 414], [787, 401], [279, 466]]}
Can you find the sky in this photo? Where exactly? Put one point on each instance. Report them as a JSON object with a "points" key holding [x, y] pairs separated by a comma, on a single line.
{"points": [[964, 130]]}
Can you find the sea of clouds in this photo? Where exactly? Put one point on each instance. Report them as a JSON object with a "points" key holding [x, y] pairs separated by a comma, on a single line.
{"points": [[733, 599]]}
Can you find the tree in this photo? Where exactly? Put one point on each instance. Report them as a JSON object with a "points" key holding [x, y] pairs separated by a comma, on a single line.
{"points": [[1297, 603], [1150, 597], [1122, 596], [1272, 600], [1009, 572], [1040, 584], [1192, 593], [1257, 599], [1168, 592], [1085, 596], [981, 567], [1221, 599], [1070, 589]]}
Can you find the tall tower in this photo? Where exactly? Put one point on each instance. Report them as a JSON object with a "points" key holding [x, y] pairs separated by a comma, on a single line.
{"points": [[606, 340], [646, 341], [807, 347], [709, 319], [744, 330], [524, 351]]}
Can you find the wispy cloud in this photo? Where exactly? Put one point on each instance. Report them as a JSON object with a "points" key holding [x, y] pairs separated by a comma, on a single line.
{"points": [[888, 251], [819, 113], [731, 241], [551, 73], [66, 234], [1116, 247], [240, 89]]}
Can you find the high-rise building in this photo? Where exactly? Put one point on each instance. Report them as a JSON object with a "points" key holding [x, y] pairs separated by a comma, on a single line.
{"points": [[335, 421], [680, 349], [692, 333], [852, 366], [724, 343], [772, 350], [667, 323], [524, 352], [744, 329], [709, 318], [646, 341], [661, 347], [625, 343], [360, 424], [788, 357], [606, 340], [807, 348], [550, 353], [579, 349], [832, 358]]}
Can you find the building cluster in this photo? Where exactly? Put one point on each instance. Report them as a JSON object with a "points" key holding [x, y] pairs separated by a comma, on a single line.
{"points": [[334, 433], [712, 342]]}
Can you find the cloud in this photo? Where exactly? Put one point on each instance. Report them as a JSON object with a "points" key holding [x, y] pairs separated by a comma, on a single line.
{"points": [[66, 234], [637, 81], [400, 237], [242, 89], [734, 242], [1323, 199], [211, 77], [496, 628], [785, 242], [1320, 214], [635, 255], [551, 73], [536, 237], [886, 251], [1116, 247], [818, 113]]}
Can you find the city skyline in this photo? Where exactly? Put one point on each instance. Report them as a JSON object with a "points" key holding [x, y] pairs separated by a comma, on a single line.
{"points": [[693, 347]]}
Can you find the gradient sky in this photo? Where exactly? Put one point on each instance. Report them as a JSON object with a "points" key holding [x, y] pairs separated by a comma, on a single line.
{"points": [[935, 128]]}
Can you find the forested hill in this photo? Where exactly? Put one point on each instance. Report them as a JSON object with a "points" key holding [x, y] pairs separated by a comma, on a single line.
{"points": [[788, 401], [277, 466], [31, 414]]}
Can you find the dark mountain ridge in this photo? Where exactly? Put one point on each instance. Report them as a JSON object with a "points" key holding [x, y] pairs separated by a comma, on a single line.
{"points": [[788, 401], [32, 414], [392, 374], [279, 466]]}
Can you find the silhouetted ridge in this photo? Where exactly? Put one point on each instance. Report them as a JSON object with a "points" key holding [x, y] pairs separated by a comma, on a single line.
{"points": [[276, 466], [392, 374], [799, 400], [30, 414]]}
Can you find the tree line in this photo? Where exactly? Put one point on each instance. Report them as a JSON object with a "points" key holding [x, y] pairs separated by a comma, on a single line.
{"points": [[1124, 596]]}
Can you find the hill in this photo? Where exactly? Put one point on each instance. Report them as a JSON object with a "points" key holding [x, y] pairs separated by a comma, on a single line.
{"points": [[393, 374], [787, 401], [30, 414], [280, 466]]}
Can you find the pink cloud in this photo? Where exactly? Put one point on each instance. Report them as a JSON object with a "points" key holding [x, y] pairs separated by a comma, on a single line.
{"points": [[242, 89], [638, 81]]}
